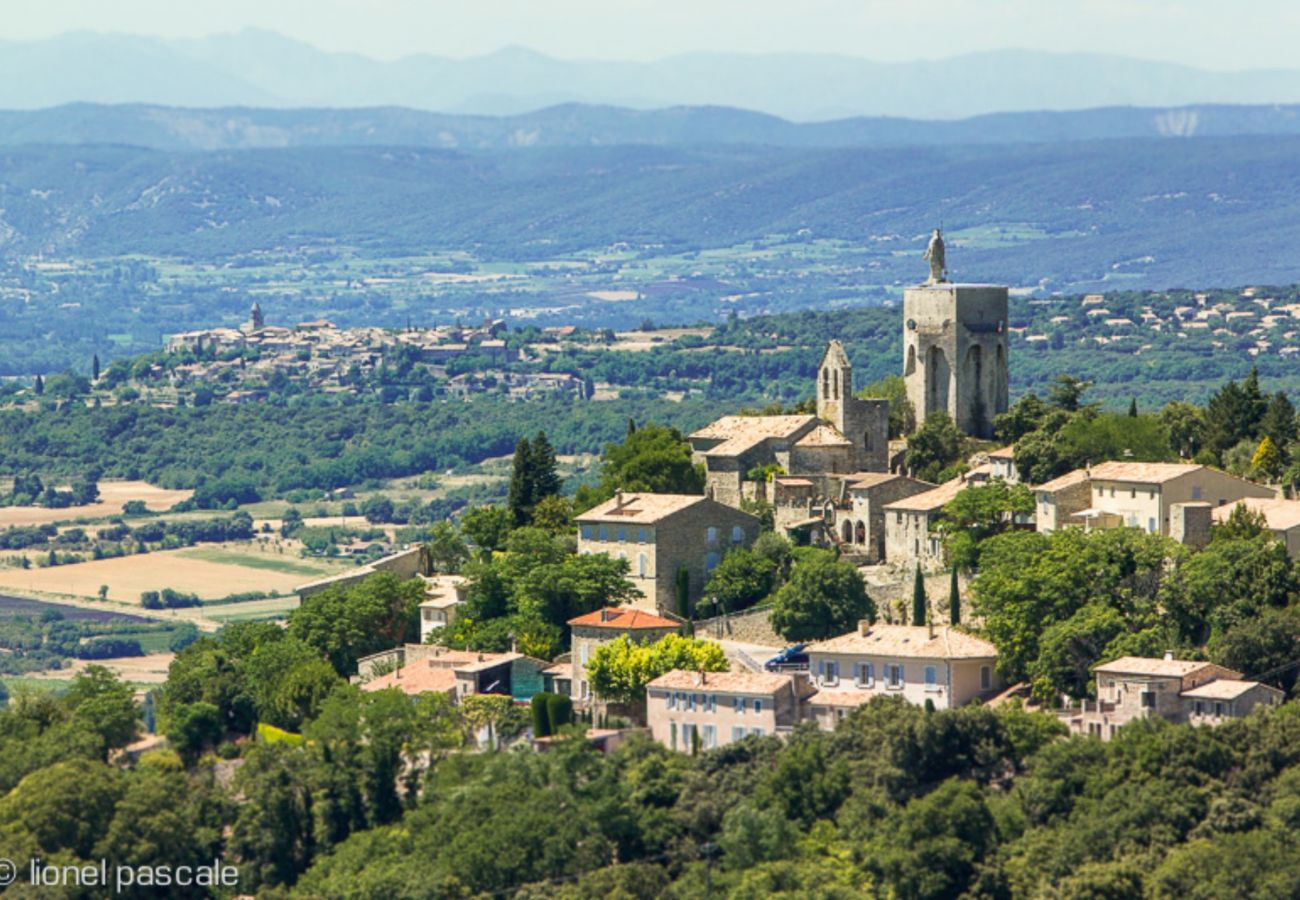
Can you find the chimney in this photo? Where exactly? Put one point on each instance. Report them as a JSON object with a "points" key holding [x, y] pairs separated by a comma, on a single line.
{"points": [[1169, 654], [864, 627], [618, 499]]}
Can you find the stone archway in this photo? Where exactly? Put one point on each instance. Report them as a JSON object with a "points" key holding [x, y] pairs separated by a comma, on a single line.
{"points": [[846, 532], [860, 533], [938, 375]]}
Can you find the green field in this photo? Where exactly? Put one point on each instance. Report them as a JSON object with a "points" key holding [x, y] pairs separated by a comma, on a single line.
{"points": [[258, 561]]}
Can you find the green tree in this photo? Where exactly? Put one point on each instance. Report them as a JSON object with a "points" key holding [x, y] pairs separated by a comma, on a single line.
{"points": [[193, 728], [936, 446], [902, 415], [487, 527], [345, 623], [978, 512], [1067, 392], [521, 495], [653, 458], [740, 581], [620, 669], [447, 549], [1267, 463], [954, 599], [102, 704], [823, 598]]}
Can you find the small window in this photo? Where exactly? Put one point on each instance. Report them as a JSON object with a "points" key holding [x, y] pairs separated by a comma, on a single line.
{"points": [[737, 733], [711, 535], [1151, 525], [622, 535], [756, 732], [640, 535], [1200, 708], [710, 736], [866, 675], [710, 562], [604, 533], [1147, 699], [1218, 708], [584, 652], [672, 700], [931, 678], [586, 532], [1196, 492], [737, 534], [738, 705], [758, 706], [986, 678], [642, 565], [895, 673]]}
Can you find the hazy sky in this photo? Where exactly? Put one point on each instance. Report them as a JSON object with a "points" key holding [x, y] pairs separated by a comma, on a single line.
{"points": [[1219, 34]]}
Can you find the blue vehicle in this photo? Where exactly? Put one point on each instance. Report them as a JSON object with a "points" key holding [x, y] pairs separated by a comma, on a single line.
{"points": [[791, 659]]}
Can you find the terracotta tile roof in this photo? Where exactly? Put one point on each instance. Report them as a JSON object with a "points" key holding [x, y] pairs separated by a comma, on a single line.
{"points": [[823, 436], [1141, 472], [1069, 479], [763, 683], [1279, 514], [1008, 453], [908, 641], [416, 679], [622, 619], [931, 500], [1142, 665], [1224, 689], [642, 509]]}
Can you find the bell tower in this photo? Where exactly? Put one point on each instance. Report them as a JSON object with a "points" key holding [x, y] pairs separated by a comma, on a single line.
{"points": [[864, 422]]}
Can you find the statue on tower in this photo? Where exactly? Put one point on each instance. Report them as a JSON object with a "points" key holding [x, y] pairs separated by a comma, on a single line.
{"points": [[934, 254]]}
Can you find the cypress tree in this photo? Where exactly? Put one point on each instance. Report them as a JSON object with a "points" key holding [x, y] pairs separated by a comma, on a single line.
{"points": [[541, 715], [519, 499], [39, 385], [1133, 408], [546, 480], [683, 590], [918, 598], [94, 367], [954, 600], [559, 712]]}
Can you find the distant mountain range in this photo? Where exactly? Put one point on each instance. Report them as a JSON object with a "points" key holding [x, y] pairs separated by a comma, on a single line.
{"points": [[258, 68], [1065, 215], [570, 125]]}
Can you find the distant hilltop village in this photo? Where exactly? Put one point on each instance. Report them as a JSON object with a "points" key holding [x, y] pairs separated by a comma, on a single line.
{"points": [[328, 357]]}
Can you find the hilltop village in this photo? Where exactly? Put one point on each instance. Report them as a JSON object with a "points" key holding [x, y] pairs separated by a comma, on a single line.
{"points": [[832, 480]]}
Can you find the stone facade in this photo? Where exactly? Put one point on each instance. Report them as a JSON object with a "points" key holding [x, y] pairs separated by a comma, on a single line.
{"points": [[594, 630], [1189, 523], [910, 533], [660, 534], [955, 353]]}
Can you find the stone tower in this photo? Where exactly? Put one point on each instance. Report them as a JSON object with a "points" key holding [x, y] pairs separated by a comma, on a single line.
{"points": [[864, 422], [955, 352], [255, 320]]}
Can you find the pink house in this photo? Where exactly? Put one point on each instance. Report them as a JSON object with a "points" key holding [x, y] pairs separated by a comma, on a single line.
{"points": [[689, 710]]}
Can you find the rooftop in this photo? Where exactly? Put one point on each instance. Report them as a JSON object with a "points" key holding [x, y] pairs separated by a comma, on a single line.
{"points": [[861, 481], [1007, 453], [909, 641], [823, 436], [619, 619], [644, 509], [416, 679], [763, 683], [841, 697], [1069, 479], [1279, 514], [935, 498], [1143, 665], [1141, 472], [1223, 689], [738, 434]]}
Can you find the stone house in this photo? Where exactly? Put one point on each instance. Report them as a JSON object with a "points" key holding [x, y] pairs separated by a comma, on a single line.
{"points": [[910, 533], [733, 446], [1179, 690], [1056, 501], [660, 534], [1281, 518], [1145, 495], [458, 674], [860, 525], [718, 708], [598, 628], [919, 663]]}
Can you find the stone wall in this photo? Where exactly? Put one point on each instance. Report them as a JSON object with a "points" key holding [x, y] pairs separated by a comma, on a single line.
{"points": [[753, 626]]}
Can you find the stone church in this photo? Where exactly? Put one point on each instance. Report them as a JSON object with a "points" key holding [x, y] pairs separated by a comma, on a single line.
{"points": [[828, 473]]}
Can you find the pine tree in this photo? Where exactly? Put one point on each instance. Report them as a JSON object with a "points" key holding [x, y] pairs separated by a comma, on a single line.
{"points": [[1133, 408], [954, 600], [519, 499], [918, 598]]}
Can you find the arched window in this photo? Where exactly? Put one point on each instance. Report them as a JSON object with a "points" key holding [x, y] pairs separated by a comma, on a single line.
{"points": [[826, 384], [737, 534], [836, 389]]}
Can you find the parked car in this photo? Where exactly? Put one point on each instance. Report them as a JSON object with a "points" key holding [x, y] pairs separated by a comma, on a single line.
{"points": [[791, 658]]}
